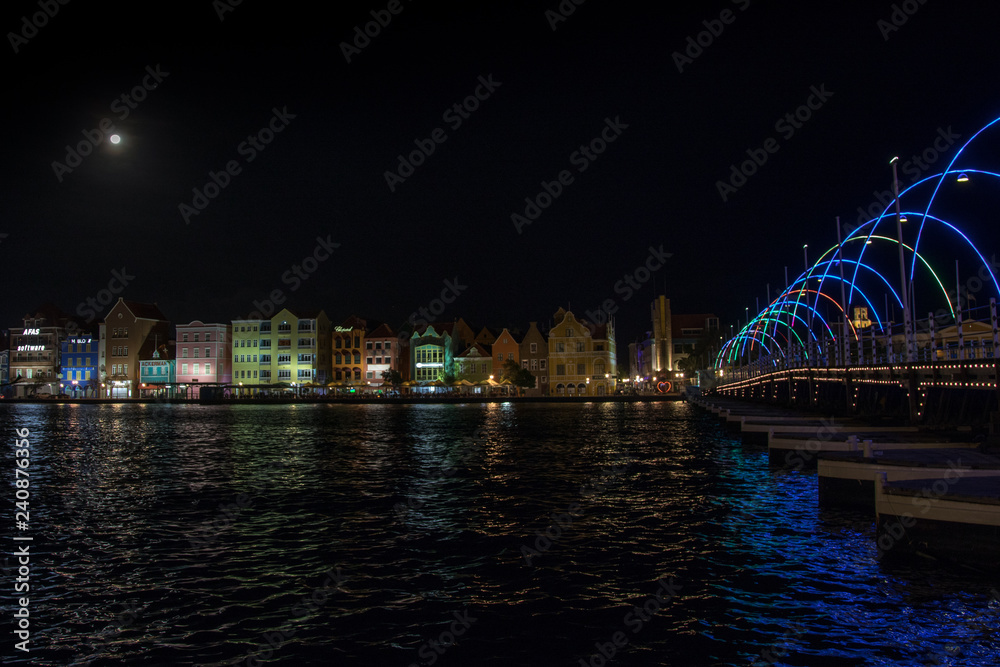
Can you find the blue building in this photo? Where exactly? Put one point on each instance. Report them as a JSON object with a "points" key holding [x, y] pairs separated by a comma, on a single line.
{"points": [[158, 376], [79, 377]]}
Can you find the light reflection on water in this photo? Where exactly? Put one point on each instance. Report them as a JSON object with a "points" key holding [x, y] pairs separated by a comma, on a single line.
{"points": [[170, 534]]}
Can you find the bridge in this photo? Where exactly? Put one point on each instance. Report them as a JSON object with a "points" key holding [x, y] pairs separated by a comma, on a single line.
{"points": [[845, 334]]}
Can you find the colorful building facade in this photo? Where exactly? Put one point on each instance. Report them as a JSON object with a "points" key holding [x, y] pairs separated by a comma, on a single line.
{"points": [[534, 355], [582, 357], [288, 350], [134, 330], [204, 355], [382, 353], [36, 352], [80, 363]]}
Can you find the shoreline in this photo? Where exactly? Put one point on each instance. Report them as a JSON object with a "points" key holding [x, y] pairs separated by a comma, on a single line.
{"points": [[350, 401]]}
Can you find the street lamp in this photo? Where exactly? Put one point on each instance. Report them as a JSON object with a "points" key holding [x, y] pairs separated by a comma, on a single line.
{"points": [[902, 264]]}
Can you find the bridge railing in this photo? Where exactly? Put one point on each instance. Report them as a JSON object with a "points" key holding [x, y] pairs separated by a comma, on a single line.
{"points": [[972, 334]]}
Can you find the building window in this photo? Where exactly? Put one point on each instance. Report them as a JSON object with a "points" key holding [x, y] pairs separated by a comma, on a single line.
{"points": [[196, 338], [208, 369], [368, 360], [541, 364], [184, 337], [208, 352], [368, 345], [378, 360], [524, 363], [388, 345], [560, 369], [533, 347], [500, 358], [208, 338], [534, 364], [369, 375], [579, 346], [560, 347], [197, 369], [196, 352]]}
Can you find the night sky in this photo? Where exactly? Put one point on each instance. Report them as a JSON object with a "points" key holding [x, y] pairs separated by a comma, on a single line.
{"points": [[877, 90]]}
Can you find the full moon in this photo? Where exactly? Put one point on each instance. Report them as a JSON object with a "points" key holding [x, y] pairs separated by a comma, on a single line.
{"points": [[115, 139]]}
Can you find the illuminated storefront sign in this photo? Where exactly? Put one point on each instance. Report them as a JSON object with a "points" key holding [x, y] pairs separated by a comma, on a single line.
{"points": [[30, 332], [30, 348]]}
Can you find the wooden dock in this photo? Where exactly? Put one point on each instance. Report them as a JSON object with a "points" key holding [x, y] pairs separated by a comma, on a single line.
{"points": [[936, 492], [847, 479], [954, 519]]}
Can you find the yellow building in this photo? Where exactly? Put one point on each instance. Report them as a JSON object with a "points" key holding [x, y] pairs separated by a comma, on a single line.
{"points": [[246, 352], [287, 350], [582, 357]]}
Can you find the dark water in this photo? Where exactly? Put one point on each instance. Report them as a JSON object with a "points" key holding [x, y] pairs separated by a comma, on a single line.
{"points": [[358, 535]]}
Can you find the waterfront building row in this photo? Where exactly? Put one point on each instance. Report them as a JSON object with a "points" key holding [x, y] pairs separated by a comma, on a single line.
{"points": [[135, 351]]}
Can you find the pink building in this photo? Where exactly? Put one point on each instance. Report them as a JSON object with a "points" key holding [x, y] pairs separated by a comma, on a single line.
{"points": [[382, 351], [204, 355]]}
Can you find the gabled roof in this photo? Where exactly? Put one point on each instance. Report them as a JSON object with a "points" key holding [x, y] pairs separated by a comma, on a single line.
{"points": [[382, 331], [144, 311], [475, 350], [509, 334]]}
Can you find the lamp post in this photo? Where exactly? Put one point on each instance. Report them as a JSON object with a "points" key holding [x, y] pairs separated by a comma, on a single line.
{"points": [[905, 292]]}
